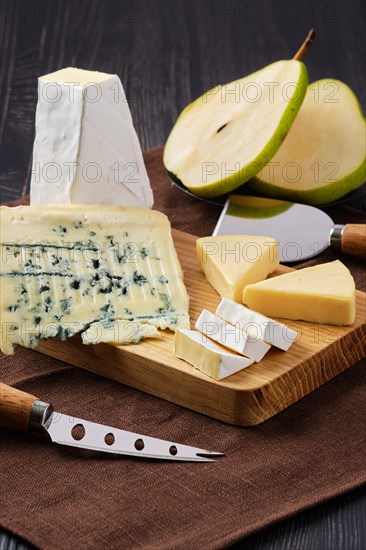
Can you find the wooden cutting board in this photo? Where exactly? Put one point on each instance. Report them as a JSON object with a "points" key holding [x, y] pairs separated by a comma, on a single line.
{"points": [[246, 398]]}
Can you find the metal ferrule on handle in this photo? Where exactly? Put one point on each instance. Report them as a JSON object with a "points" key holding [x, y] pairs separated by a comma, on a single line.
{"points": [[39, 416], [349, 239], [336, 237]]}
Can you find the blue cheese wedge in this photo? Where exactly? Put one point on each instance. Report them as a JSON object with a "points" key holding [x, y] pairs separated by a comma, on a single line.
{"points": [[256, 325], [86, 150], [64, 268], [231, 337], [207, 356]]}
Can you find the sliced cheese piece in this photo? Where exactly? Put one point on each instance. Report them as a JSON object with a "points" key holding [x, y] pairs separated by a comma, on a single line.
{"points": [[231, 337], [205, 355], [65, 267], [257, 325], [231, 262], [86, 150], [324, 293], [118, 332]]}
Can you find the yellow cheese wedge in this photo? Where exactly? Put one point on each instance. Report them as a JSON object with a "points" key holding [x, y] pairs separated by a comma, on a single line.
{"points": [[324, 293], [231, 262]]}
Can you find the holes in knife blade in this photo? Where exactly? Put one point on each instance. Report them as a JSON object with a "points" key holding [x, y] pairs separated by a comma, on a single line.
{"points": [[139, 444], [78, 432], [109, 439], [173, 450]]}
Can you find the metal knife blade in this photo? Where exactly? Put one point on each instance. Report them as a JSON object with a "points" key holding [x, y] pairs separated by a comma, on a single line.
{"points": [[23, 411], [98, 437], [302, 231]]}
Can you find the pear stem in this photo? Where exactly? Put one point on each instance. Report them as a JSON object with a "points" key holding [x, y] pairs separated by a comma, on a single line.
{"points": [[301, 52]]}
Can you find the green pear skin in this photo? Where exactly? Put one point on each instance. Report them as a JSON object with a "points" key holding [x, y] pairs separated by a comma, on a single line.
{"points": [[226, 136], [323, 156]]}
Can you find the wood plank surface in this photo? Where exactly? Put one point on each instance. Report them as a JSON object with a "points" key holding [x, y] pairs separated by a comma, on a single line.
{"points": [[246, 398]]}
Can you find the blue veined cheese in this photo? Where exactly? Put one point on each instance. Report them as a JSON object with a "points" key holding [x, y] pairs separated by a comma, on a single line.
{"points": [[86, 150], [118, 332], [64, 268]]}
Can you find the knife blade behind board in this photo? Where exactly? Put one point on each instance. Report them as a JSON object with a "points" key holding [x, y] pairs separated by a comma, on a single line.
{"points": [[302, 231]]}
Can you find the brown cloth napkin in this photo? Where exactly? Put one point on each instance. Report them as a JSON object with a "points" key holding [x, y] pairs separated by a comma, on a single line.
{"points": [[60, 498]]}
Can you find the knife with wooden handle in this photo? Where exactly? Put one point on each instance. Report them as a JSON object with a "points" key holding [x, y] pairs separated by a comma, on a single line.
{"points": [[302, 231], [22, 411]]}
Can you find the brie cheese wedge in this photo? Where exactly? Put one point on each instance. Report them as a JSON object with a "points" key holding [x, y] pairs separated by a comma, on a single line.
{"points": [[257, 325], [86, 150], [207, 356], [231, 337]]}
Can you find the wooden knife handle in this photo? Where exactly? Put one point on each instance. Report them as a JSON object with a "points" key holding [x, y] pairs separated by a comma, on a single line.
{"points": [[354, 239], [15, 407]]}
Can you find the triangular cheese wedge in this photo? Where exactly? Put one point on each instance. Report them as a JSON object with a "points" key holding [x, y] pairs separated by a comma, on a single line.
{"points": [[231, 262], [324, 293]]}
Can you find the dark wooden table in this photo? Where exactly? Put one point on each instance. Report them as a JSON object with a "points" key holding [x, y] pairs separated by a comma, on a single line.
{"points": [[168, 52]]}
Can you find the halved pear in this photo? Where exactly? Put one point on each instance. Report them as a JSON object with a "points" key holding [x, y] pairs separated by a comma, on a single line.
{"points": [[324, 155], [226, 136]]}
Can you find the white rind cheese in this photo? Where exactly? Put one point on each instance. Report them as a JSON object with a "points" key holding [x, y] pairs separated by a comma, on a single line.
{"points": [[86, 150], [231, 337], [66, 267], [207, 356], [256, 325]]}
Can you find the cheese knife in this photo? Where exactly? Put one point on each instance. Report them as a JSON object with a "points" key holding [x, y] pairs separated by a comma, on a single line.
{"points": [[302, 231], [23, 411]]}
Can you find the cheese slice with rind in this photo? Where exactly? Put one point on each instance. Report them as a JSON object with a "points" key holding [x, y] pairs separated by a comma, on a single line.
{"points": [[231, 337], [207, 356], [256, 324], [230, 262], [323, 293]]}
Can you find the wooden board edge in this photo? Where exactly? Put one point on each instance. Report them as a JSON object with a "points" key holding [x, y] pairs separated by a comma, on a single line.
{"points": [[310, 375], [249, 407]]}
